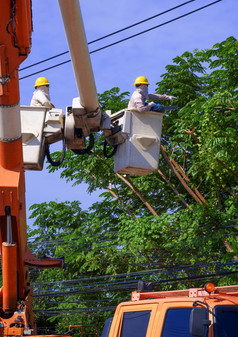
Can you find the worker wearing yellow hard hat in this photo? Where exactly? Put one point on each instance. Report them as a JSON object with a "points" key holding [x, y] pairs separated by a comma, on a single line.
{"points": [[141, 80], [41, 81], [140, 95], [41, 95]]}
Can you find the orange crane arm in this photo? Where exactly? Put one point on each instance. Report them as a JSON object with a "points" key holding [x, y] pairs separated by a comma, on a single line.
{"points": [[15, 43]]}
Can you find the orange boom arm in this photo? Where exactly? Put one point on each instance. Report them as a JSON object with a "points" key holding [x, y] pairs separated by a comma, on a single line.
{"points": [[15, 42], [15, 295]]}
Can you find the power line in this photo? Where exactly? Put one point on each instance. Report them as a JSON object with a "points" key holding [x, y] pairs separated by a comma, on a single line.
{"points": [[97, 300], [140, 273], [71, 311], [152, 28], [111, 34], [129, 282], [132, 285], [127, 38]]}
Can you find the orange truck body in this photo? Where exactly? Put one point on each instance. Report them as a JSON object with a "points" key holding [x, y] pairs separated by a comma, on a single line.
{"points": [[16, 315], [167, 313], [15, 43]]}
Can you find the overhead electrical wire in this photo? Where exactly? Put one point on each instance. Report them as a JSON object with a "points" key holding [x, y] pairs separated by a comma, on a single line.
{"points": [[133, 285], [143, 272], [130, 281], [127, 38], [80, 301], [75, 311], [111, 34], [145, 265], [108, 285], [124, 279]]}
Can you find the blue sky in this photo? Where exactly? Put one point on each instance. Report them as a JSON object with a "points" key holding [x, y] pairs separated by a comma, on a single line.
{"points": [[119, 65]]}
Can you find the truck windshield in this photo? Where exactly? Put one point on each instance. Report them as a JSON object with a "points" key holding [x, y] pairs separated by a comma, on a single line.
{"points": [[226, 321], [135, 323], [176, 323]]}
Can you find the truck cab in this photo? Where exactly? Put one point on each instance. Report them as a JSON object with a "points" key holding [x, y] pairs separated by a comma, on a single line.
{"points": [[182, 313]]}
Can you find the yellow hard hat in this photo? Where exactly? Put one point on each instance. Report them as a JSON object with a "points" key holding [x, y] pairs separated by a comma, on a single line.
{"points": [[141, 80], [41, 81]]}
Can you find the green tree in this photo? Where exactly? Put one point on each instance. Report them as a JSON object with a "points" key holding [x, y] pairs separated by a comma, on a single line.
{"points": [[179, 221]]}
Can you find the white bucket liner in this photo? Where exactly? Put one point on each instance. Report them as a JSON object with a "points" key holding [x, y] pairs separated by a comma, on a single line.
{"points": [[139, 154], [32, 124], [37, 123]]}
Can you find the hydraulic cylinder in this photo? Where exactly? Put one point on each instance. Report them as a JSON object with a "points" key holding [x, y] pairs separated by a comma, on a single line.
{"points": [[9, 274]]}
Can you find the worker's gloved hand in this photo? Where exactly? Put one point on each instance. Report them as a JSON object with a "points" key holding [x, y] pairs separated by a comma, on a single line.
{"points": [[151, 105], [157, 107], [172, 98]]}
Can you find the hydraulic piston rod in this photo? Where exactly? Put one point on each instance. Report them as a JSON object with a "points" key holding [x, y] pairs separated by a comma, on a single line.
{"points": [[9, 267]]}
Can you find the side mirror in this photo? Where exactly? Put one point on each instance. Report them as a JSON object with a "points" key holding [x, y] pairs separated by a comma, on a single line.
{"points": [[198, 322]]}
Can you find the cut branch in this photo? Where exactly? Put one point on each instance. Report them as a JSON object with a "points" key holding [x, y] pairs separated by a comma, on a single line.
{"points": [[113, 194], [185, 177], [130, 185], [173, 188], [179, 176]]}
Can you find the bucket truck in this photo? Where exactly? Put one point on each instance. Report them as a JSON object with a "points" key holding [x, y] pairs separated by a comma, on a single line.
{"points": [[21, 130], [16, 315], [134, 136], [24, 138], [202, 312]]}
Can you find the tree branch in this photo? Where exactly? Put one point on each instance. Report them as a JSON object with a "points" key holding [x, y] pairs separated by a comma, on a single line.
{"points": [[173, 188], [188, 180], [178, 175], [130, 185], [113, 194]]}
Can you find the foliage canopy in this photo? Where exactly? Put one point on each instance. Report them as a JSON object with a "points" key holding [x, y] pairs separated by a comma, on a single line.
{"points": [[179, 222]]}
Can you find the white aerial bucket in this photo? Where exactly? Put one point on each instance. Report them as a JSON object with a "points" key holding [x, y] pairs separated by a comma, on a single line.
{"points": [[37, 124], [32, 124], [139, 154]]}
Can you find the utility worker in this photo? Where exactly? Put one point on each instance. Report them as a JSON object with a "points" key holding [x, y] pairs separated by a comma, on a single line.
{"points": [[41, 96], [140, 95]]}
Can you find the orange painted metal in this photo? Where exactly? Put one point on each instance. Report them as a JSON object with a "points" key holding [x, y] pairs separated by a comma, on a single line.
{"points": [[16, 313], [15, 24], [160, 302], [23, 27], [193, 292], [12, 194], [11, 155], [19, 332], [44, 263], [22, 319], [15, 42], [9, 268]]}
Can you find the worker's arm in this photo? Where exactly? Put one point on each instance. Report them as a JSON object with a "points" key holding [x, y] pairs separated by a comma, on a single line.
{"points": [[141, 106], [158, 97]]}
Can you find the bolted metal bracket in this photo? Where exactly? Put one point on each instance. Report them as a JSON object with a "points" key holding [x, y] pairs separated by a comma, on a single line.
{"points": [[5, 79]]}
